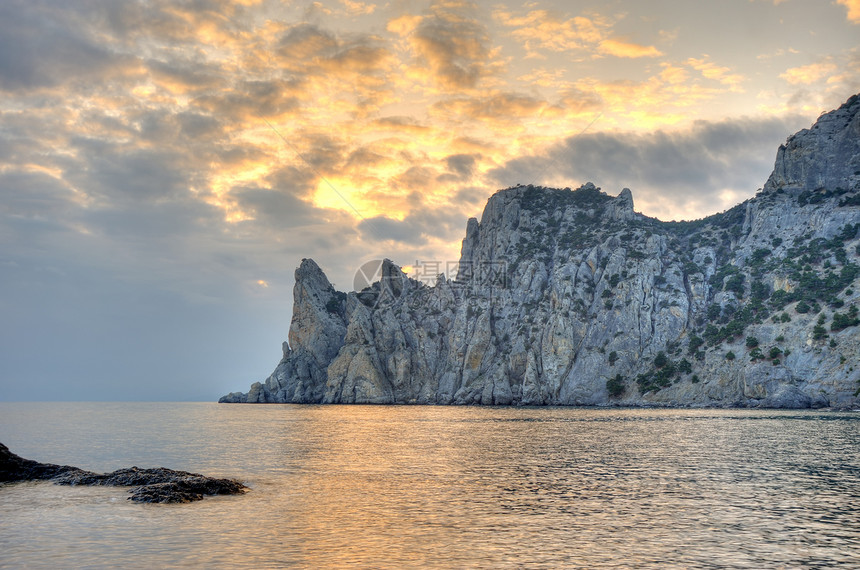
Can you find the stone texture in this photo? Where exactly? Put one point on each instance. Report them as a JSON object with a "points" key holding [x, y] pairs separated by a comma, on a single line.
{"points": [[159, 485], [825, 156], [561, 291]]}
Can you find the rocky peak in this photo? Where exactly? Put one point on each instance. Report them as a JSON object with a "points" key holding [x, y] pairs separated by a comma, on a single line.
{"points": [[826, 156], [469, 248], [569, 297], [621, 209], [317, 324]]}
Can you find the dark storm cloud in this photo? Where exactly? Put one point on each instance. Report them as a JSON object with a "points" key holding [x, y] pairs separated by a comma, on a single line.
{"points": [[444, 222], [42, 45], [364, 157], [198, 125], [684, 167], [463, 165], [296, 180], [322, 152], [495, 108], [303, 43], [188, 75], [275, 208], [253, 100], [454, 45], [401, 124], [354, 66], [382, 228], [130, 174], [33, 195], [306, 49], [471, 195], [152, 228], [175, 22], [416, 178]]}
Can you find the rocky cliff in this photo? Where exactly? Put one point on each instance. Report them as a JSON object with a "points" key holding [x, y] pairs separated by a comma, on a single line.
{"points": [[570, 297]]}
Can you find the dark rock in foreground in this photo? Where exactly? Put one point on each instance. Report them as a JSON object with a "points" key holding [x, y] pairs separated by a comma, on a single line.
{"points": [[159, 485]]}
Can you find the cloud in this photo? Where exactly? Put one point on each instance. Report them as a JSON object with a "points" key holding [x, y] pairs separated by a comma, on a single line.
{"points": [[144, 197], [719, 73], [540, 29], [277, 208], [462, 165], [194, 125], [421, 225], [618, 48], [450, 42], [305, 44], [128, 174], [807, 74], [543, 30], [673, 175], [822, 85], [473, 196], [249, 101], [358, 8], [39, 49], [673, 74], [400, 124], [578, 101], [350, 72], [35, 195], [183, 77], [662, 99], [496, 107], [416, 178], [853, 7]]}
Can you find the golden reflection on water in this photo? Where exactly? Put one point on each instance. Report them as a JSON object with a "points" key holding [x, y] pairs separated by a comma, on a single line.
{"points": [[396, 487]]}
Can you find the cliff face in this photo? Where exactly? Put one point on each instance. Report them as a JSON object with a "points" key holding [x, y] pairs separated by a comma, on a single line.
{"points": [[572, 298]]}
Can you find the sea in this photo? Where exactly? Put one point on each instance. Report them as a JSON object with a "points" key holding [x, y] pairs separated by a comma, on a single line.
{"points": [[440, 487]]}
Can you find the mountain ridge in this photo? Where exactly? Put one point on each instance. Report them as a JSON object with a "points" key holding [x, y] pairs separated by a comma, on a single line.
{"points": [[570, 297]]}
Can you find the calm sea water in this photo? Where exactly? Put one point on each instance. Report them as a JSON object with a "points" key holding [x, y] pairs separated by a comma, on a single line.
{"points": [[446, 487]]}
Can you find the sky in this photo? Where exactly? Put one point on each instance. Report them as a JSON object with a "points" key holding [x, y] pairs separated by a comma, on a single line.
{"points": [[166, 165]]}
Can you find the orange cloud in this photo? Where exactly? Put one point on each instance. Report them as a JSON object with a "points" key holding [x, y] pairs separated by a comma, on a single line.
{"points": [[450, 43], [539, 29], [624, 49], [404, 25], [807, 74], [853, 10], [425, 109], [498, 107], [722, 74], [358, 8], [543, 77], [673, 74], [652, 103], [543, 30], [400, 124]]}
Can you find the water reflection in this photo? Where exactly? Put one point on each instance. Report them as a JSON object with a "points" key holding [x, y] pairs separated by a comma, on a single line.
{"points": [[397, 487]]}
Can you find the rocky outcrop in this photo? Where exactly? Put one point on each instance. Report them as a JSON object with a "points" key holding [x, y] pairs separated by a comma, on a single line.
{"points": [[826, 156], [570, 297], [157, 485]]}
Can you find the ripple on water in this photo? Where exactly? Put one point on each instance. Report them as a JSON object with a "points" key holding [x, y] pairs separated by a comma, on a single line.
{"points": [[376, 486]]}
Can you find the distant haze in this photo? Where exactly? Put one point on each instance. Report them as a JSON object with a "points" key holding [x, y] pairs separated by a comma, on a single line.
{"points": [[164, 167]]}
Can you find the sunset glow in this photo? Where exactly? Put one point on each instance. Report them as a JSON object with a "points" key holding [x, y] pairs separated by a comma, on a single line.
{"points": [[190, 148]]}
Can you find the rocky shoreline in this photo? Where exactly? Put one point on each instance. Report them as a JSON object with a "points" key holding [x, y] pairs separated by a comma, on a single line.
{"points": [[569, 297], [157, 485]]}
